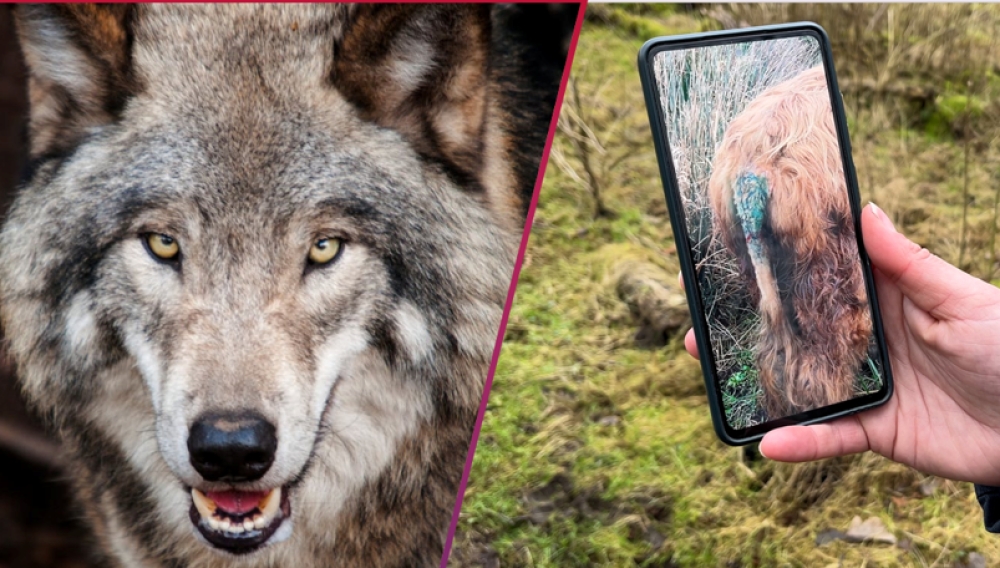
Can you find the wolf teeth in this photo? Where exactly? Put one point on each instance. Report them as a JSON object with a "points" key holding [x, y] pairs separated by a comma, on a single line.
{"points": [[206, 507], [268, 509], [269, 505]]}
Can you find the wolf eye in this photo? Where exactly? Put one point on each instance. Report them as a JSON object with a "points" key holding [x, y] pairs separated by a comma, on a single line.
{"points": [[162, 246], [325, 250]]}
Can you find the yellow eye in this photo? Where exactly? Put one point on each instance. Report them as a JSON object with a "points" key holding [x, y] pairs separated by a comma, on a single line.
{"points": [[325, 250], [163, 246]]}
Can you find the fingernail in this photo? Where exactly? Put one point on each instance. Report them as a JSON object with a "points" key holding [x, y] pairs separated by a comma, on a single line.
{"points": [[760, 449], [881, 216]]}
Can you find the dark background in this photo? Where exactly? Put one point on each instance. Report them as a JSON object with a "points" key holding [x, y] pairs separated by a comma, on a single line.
{"points": [[39, 525]]}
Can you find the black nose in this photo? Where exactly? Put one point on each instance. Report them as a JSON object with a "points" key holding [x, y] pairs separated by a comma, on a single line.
{"points": [[232, 447]]}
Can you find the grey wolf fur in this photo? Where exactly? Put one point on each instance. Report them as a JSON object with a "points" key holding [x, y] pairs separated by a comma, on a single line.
{"points": [[413, 133]]}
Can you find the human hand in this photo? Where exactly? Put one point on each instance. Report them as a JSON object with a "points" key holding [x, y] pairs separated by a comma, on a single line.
{"points": [[942, 328]]}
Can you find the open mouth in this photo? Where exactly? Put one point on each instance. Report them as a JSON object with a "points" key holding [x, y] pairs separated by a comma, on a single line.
{"points": [[239, 522]]}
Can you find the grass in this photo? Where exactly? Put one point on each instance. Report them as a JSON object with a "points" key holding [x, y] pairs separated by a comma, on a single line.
{"points": [[596, 452], [741, 391]]}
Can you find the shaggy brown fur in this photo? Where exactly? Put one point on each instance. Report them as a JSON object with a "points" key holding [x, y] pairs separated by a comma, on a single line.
{"points": [[811, 295]]}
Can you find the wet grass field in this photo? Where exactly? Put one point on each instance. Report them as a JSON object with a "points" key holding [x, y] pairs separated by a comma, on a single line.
{"points": [[598, 452]]}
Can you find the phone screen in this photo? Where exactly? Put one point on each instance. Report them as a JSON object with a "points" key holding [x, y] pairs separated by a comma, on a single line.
{"points": [[769, 214]]}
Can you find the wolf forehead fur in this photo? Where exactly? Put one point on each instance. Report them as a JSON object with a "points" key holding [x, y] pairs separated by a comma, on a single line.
{"points": [[246, 133]]}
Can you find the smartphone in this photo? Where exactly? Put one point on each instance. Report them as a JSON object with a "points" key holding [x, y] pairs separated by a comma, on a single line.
{"points": [[751, 138]]}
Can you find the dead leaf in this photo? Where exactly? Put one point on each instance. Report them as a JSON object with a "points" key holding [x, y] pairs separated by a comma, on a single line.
{"points": [[871, 530]]}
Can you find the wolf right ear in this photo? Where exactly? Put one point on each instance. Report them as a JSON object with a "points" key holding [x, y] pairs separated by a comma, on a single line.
{"points": [[421, 70], [79, 69]]}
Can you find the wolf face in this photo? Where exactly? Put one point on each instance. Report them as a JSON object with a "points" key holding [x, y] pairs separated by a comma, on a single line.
{"points": [[255, 277]]}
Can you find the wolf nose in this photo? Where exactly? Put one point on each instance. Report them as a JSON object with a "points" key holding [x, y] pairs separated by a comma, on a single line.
{"points": [[232, 447]]}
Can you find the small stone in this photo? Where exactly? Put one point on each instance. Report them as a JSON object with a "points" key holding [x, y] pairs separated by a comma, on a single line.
{"points": [[929, 486], [975, 560], [609, 420], [827, 536], [656, 540]]}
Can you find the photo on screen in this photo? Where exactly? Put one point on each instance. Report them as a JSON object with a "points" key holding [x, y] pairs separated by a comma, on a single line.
{"points": [[760, 173]]}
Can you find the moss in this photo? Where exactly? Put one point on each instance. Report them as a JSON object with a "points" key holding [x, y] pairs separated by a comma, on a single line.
{"points": [[950, 113], [643, 21]]}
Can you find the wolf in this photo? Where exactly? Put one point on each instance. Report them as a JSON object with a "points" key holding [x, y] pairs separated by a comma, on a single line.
{"points": [[254, 275]]}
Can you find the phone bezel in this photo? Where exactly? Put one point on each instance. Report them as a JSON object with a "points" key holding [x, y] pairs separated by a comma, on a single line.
{"points": [[657, 122]]}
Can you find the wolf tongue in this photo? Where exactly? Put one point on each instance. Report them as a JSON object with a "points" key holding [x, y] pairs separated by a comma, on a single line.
{"points": [[237, 502]]}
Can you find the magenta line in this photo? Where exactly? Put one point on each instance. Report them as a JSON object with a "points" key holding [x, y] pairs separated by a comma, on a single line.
{"points": [[513, 288], [295, 1]]}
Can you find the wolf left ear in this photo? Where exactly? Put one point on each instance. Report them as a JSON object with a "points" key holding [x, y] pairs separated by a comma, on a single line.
{"points": [[421, 70], [79, 69]]}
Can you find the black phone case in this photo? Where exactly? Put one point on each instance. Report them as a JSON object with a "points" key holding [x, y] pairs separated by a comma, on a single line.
{"points": [[657, 124]]}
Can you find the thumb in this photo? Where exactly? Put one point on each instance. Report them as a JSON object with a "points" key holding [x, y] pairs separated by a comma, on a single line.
{"points": [[925, 279], [807, 443]]}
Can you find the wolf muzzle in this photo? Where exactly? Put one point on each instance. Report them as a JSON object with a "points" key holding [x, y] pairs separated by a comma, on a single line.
{"points": [[235, 448]]}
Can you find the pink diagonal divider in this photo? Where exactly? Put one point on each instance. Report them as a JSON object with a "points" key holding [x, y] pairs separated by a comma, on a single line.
{"points": [[513, 288]]}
